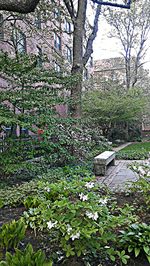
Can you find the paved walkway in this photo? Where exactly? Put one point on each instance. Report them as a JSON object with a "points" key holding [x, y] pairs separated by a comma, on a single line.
{"points": [[122, 146], [118, 176]]}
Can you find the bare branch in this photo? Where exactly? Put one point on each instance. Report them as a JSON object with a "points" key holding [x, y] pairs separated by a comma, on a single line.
{"points": [[89, 46], [70, 7]]}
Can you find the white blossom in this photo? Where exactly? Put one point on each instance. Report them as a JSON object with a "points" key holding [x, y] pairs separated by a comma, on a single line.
{"points": [[83, 197], [103, 201], [47, 189], [93, 216], [50, 224], [89, 214], [69, 229], [141, 170], [89, 185], [76, 236]]}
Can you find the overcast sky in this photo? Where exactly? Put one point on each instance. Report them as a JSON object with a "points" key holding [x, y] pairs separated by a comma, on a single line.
{"points": [[105, 47]]}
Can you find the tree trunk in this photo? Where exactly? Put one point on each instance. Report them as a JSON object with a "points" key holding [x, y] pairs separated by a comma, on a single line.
{"points": [[77, 67]]}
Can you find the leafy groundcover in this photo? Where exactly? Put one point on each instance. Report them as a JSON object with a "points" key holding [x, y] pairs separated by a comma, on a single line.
{"points": [[75, 221]]}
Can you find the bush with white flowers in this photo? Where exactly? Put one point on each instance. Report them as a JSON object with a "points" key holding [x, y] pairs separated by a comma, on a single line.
{"points": [[78, 216]]}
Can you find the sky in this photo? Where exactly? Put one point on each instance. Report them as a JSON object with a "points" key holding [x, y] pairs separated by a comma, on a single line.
{"points": [[105, 47]]}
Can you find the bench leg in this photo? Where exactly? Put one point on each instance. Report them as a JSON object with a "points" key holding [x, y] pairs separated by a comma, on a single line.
{"points": [[99, 169], [112, 163]]}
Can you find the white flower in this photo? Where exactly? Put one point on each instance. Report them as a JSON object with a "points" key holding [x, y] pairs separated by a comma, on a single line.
{"points": [[47, 189], [89, 185], [76, 236], [83, 197], [50, 224], [141, 171], [69, 229], [95, 216], [92, 216], [103, 201], [89, 214]]}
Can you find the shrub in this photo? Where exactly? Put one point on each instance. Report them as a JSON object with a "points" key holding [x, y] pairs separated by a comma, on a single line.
{"points": [[78, 217], [11, 234], [132, 155], [26, 257], [136, 239]]}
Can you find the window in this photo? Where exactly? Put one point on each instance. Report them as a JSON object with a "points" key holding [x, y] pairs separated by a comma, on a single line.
{"points": [[68, 26], [39, 57], [1, 27], [57, 41], [19, 40], [56, 13], [57, 67], [69, 54], [38, 21]]}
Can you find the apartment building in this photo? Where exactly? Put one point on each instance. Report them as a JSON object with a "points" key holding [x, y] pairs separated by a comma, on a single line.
{"points": [[43, 34], [46, 33]]}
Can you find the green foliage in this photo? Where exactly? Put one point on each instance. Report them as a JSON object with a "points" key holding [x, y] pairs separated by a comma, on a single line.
{"points": [[142, 186], [26, 257], [138, 146], [23, 194], [31, 202], [15, 195], [36, 97], [137, 151], [132, 155], [78, 217], [136, 239], [113, 109], [11, 234]]}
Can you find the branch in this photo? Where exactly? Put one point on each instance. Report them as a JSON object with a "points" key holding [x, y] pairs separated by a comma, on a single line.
{"points": [[70, 7], [89, 45], [21, 6]]}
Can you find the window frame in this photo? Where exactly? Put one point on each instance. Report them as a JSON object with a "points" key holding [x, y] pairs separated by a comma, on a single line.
{"points": [[57, 41]]}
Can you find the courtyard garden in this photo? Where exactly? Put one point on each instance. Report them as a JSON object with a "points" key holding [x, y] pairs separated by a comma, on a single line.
{"points": [[66, 217], [54, 210]]}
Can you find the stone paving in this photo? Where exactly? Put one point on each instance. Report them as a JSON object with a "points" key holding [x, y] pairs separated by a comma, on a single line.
{"points": [[119, 176]]}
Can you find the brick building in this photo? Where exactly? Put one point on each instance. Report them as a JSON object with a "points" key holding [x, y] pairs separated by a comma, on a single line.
{"points": [[46, 33]]}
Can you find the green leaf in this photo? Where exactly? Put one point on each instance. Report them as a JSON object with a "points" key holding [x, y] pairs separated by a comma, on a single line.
{"points": [[136, 251], [148, 257], [112, 258], [124, 261], [146, 249], [130, 249]]}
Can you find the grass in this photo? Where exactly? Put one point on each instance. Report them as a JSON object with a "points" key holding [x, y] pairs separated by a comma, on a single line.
{"points": [[138, 146], [135, 151]]}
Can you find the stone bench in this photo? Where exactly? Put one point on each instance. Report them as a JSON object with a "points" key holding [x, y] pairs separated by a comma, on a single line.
{"points": [[102, 161]]}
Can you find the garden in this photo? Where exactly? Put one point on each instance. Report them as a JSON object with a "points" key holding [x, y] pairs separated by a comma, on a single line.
{"points": [[65, 217], [53, 209]]}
